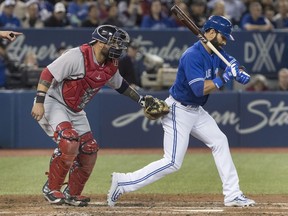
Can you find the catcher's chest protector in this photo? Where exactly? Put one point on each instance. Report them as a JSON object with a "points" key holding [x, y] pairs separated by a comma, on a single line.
{"points": [[77, 93]]}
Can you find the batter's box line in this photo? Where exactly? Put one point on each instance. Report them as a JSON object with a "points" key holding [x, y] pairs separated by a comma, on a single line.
{"points": [[195, 205]]}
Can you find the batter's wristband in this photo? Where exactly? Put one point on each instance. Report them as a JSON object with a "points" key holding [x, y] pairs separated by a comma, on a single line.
{"points": [[218, 82]]}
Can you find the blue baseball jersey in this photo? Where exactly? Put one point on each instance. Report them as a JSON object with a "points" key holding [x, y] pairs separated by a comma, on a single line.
{"points": [[195, 66]]}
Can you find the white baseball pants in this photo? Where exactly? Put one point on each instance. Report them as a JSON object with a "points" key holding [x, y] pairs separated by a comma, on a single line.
{"points": [[178, 125]]}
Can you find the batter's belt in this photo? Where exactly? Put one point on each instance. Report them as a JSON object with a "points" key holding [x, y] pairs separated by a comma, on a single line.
{"points": [[184, 104]]}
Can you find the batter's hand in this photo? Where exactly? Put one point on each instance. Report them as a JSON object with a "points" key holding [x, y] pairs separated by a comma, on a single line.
{"points": [[37, 111], [228, 73], [243, 77]]}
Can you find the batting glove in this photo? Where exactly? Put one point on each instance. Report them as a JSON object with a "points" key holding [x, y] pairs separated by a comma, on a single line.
{"points": [[243, 77], [229, 71], [226, 76]]}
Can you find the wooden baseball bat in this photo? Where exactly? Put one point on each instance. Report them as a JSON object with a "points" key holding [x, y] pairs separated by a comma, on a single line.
{"points": [[192, 26]]}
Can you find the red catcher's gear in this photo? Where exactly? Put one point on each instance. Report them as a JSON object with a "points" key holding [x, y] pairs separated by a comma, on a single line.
{"points": [[77, 93], [63, 156], [83, 164]]}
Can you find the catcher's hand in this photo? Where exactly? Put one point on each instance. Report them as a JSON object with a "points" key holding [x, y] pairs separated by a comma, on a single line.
{"points": [[153, 107]]}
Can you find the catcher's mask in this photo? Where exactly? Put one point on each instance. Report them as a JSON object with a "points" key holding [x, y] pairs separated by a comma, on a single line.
{"points": [[115, 37]]}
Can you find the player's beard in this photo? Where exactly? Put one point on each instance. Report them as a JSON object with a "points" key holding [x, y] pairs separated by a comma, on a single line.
{"points": [[105, 52], [216, 44]]}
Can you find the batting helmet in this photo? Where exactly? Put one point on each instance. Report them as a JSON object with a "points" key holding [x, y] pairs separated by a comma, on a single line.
{"points": [[115, 37], [220, 24]]}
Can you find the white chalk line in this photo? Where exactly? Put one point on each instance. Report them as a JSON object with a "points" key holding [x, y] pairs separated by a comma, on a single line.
{"points": [[140, 205], [124, 208], [198, 210]]}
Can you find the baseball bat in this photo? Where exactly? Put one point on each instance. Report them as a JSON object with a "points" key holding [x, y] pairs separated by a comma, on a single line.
{"points": [[180, 14]]}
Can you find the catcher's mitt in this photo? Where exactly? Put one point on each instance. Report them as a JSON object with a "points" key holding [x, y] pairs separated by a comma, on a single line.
{"points": [[154, 108]]}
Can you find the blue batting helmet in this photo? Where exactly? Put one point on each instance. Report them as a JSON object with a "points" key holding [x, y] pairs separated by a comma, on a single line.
{"points": [[221, 25]]}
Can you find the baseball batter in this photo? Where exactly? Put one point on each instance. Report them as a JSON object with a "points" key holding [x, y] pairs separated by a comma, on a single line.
{"points": [[198, 75], [65, 87]]}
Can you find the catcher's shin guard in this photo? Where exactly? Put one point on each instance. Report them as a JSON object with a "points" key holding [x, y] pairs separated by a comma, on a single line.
{"points": [[83, 164], [63, 156]]}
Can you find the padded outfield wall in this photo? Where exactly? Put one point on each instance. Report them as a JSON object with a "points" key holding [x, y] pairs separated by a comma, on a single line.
{"points": [[248, 119]]}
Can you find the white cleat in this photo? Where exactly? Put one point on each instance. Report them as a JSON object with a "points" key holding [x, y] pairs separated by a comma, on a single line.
{"points": [[240, 201], [115, 191]]}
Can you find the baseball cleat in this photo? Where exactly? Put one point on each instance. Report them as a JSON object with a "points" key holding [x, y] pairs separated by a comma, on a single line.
{"points": [[53, 196], [240, 201], [115, 191], [75, 200]]}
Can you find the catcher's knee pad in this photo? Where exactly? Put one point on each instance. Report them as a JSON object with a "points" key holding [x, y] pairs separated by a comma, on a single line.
{"points": [[63, 157], [88, 144], [83, 164]]}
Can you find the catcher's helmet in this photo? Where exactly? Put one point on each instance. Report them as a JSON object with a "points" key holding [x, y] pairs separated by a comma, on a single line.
{"points": [[220, 24], [115, 37]]}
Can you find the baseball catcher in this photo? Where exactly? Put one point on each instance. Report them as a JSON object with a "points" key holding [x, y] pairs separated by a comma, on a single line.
{"points": [[153, 107], [65, 87]]}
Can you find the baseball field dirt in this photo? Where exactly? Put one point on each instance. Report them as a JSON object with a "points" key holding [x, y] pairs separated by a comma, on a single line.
{"points": [[153, 205], [140, 204]]}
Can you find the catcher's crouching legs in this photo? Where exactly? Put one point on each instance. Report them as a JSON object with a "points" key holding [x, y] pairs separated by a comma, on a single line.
{"points": [[80, 171], [61, 161]]}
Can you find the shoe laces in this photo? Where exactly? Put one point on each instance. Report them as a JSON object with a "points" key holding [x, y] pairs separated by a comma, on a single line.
{"points": [[242, 197]]}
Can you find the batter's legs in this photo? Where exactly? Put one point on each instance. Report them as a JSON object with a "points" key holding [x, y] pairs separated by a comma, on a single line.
{"points": [[209, 133], [175, 146]]}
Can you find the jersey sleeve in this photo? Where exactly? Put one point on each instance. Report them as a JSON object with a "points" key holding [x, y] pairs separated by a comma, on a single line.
{"points": [[115, 81], [194, 72], [193, 68], [68, 65]]}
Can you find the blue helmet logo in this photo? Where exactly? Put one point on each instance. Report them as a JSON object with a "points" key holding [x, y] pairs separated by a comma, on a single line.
{"points": [[220, 24]]}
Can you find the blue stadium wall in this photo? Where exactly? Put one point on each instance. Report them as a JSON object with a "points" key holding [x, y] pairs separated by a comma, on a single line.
{"points": [[248, 119]]}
